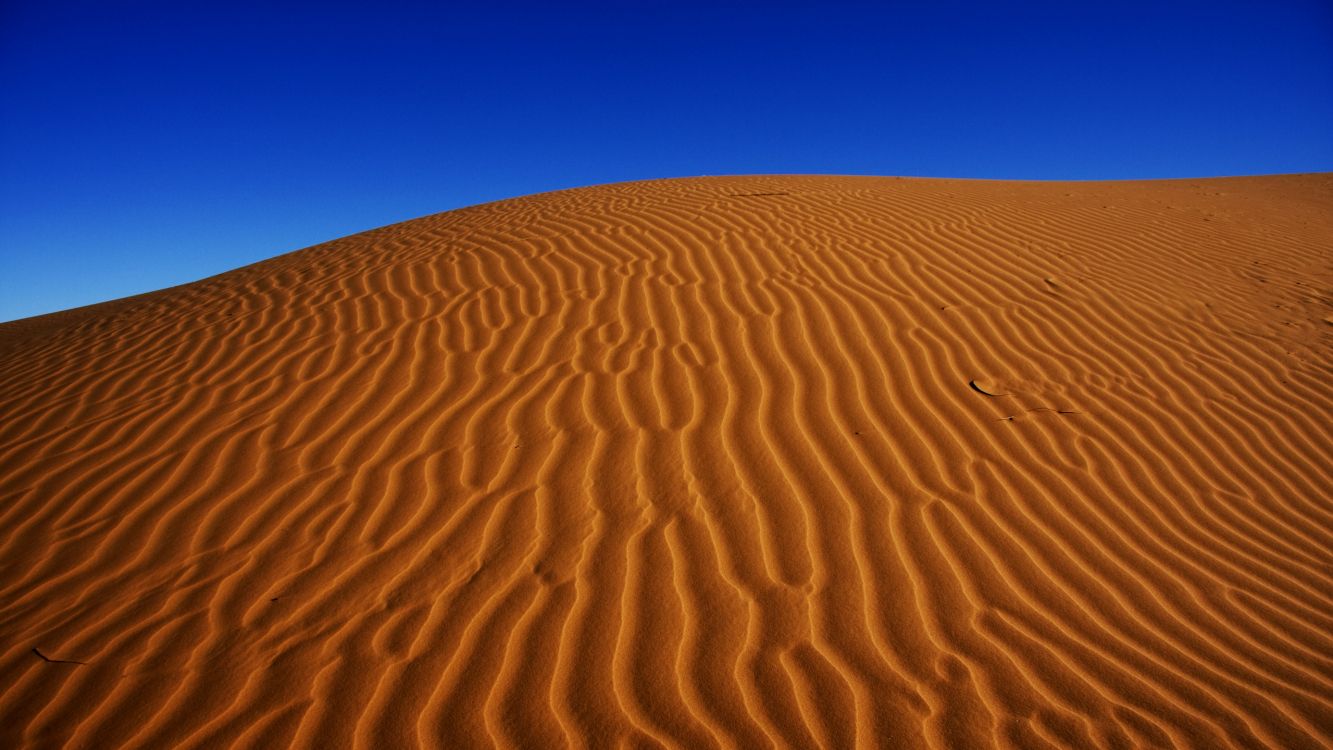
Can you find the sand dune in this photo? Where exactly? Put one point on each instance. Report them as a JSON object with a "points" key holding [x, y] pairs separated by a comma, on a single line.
{"points": [[721, 462]]}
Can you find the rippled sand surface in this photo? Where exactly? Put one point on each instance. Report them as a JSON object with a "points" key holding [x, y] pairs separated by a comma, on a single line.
{"points": [[732, 462]]}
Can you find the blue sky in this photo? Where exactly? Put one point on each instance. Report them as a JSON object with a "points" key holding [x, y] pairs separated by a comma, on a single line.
{"points": [[144, 145]]}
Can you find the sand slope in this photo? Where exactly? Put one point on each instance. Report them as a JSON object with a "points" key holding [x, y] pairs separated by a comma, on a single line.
{"points": [[718, 462]]}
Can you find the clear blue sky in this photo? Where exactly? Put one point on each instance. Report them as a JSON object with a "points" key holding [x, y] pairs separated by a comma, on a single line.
{"points": [[149, 144]]}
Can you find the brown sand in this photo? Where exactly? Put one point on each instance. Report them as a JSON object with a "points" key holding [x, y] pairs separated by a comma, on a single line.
{"points": [[738, 462]]}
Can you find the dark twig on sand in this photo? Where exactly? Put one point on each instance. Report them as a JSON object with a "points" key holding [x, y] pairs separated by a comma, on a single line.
{"points": [[973, 385], [49, 660]]}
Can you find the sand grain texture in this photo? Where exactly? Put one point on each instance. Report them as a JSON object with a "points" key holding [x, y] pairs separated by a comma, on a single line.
{"points": [[728, 462]]}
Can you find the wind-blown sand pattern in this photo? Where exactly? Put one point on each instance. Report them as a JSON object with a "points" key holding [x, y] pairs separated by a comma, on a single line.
{"points": [[721, 462]]}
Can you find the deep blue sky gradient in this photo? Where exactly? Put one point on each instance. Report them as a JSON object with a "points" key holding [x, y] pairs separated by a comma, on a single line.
{"points": [[144, 145]]}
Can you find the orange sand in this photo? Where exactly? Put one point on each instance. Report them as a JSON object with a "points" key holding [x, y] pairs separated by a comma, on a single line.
{"points": [[721, 462]]}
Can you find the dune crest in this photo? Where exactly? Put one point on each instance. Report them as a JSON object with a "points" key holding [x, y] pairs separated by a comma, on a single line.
{"points": [[727, 462]]}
